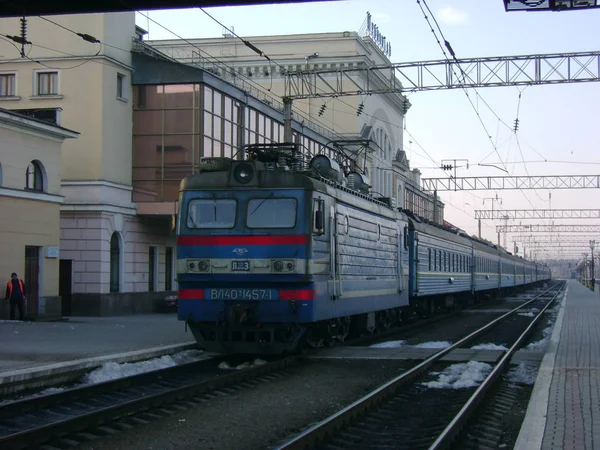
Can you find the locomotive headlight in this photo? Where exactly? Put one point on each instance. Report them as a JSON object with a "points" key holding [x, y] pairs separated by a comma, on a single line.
{"points": [[278, 266], [198, 265], [243, 173], [290, 266]]}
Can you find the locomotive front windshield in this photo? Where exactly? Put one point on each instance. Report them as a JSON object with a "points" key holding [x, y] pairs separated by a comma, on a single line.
{"points": [[213, 213], [250, 210], [272, 213]]}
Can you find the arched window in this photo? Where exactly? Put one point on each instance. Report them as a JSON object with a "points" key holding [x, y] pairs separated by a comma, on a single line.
{"points": [[34, 176], [115, 263]]}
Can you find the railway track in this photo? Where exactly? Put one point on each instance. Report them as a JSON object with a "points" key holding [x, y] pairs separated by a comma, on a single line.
{"points": [[83, 413], [403, 414], [53, 419]]}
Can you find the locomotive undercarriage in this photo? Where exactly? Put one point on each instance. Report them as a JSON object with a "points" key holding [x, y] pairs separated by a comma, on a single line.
{"points": [[241, 333]]}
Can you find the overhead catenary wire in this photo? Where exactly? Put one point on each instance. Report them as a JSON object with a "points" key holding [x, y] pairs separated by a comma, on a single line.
{"points": [[451, 51]]}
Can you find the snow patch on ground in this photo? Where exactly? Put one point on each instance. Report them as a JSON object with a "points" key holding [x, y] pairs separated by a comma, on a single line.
{"points": [[522, 374], [459, 376], [433, 344], [542, 343], [389, 344], [246, 365], [112, 371], [489, 347]]}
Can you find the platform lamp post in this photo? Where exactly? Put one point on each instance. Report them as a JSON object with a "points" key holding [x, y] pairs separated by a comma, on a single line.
{"points": [[592, 245]]}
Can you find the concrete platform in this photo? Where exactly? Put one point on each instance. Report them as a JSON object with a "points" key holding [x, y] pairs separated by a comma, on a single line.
{"points": [[564, 411], [37, 354], [409, 353]]}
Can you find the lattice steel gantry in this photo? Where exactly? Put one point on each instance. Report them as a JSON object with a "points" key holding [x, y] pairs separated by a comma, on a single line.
{"points": [[551, 239], [547, 228], [511, 182], [524, 214], [520, 70]]}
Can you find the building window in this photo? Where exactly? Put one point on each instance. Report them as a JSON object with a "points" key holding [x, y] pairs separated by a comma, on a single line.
{"points": [[169, 269], [151, 269], [115, 263], [8, 85], [47, 83], [34, 177], [121, 86]]}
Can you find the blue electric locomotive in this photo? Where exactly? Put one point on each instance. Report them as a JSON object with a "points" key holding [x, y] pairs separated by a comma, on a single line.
{"points": [[274, 256]]}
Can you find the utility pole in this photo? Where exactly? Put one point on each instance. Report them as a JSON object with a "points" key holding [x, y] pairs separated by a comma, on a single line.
{"points": [[493, 199], [288, 136], [592, 245]]}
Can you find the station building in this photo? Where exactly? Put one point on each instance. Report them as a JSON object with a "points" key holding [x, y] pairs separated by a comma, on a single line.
{"points": [[30, 203], [146, 117], [379, 118]]}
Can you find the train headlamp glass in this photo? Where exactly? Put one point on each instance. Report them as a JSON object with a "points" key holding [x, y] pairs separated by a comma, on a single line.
{"points": [[243, 173]]}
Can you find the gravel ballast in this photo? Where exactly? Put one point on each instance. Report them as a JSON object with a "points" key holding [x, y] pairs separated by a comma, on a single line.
{"points": [[259, 417]]}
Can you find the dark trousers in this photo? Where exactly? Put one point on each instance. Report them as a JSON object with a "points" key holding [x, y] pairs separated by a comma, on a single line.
{"points": [[18, 304]]}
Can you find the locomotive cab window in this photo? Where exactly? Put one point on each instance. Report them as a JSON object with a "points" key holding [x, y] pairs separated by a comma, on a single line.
{"points": [[211, 213], [272, 213], [318, 216]]}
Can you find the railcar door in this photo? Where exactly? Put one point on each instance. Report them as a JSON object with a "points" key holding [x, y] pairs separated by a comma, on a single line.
{"points": [[335, 260], [400, 271]]}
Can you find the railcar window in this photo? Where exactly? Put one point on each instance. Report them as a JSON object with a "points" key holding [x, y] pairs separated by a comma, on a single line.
{"points": [[211, 213], [319, 215], [272, 213], [429, 259]]}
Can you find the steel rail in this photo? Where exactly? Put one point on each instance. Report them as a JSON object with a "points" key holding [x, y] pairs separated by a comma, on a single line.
{"points": [[39, 435], [81, 393], [321, 431], [446, 437]]}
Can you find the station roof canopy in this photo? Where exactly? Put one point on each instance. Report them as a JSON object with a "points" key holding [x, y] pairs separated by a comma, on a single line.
{"points": [[550, 5], [12, 8]]}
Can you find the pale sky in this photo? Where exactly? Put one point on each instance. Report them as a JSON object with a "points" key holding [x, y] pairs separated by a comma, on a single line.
{"points": [[556, 122]]}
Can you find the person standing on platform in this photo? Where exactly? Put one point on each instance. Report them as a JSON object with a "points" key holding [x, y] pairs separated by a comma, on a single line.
{"points": [[15, 294]]}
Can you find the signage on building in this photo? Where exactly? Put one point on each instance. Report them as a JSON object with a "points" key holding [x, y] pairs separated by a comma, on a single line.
{"points": [[374, 33], [52, 252]]}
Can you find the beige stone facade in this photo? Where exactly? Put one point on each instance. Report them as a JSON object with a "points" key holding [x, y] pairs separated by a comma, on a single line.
{"points": [[30, 202]]}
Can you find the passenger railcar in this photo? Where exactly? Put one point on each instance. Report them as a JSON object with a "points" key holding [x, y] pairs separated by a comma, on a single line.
{"points": [[273, 256], [440, 263]]}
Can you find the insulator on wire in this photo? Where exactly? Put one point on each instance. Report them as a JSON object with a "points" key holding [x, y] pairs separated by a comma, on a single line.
{"points": [[322, 110], [360, 109]]}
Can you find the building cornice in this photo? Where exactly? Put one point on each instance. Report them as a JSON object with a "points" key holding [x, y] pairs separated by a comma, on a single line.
{"points": [[97, 208], [96, 183], [17, 122], [31, 195], [71, 58]]}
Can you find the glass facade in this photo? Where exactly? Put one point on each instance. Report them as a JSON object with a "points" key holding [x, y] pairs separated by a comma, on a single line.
{"points": [[175, 125]]}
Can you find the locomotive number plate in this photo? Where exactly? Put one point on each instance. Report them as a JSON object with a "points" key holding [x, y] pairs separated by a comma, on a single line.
{"points": [[242, 294], [240, 266]]}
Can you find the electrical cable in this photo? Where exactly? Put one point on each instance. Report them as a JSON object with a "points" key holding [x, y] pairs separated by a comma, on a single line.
{"points": [[451, 51]]}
